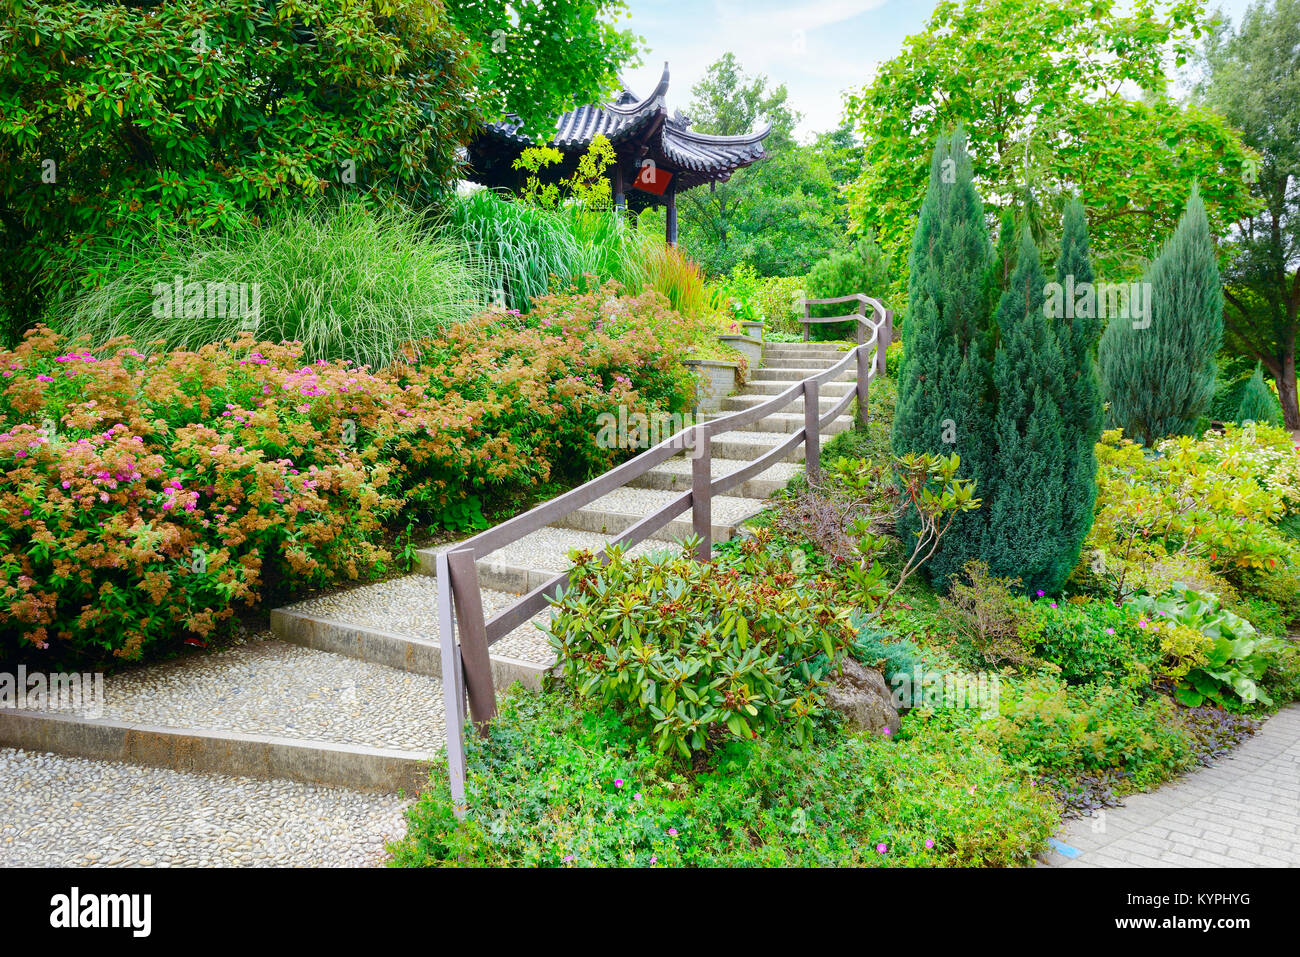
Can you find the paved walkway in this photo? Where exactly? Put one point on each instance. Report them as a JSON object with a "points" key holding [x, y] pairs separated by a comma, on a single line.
{"points": [[1243, 811]]}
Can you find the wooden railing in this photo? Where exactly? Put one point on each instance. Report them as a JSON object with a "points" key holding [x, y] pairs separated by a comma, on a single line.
{"points": [[466, 664]]}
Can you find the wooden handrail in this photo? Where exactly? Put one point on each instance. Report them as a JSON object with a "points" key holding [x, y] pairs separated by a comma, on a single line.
{"points": [[466, 664]]}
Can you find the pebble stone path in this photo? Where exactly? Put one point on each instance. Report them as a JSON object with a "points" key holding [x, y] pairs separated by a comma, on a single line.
{"points": [[58, 811], [1242, 811]]}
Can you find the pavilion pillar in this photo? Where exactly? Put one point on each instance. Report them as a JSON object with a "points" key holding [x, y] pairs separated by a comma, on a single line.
{"points": [[620, 195], [670, 229]]}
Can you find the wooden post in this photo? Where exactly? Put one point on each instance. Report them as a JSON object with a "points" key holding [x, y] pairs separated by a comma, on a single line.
{"points": [[807, 314], [473, 637], [812, 432], [453, 687], [885, 338], [620, 198], [863, 366], [701, 492], [670, 228]]}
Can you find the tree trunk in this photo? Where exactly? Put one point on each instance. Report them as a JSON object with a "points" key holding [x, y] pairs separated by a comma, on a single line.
{"points": [[1286, 389]]}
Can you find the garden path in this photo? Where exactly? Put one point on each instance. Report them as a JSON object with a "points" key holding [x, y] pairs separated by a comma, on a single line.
{"points": [[1242, 811]]}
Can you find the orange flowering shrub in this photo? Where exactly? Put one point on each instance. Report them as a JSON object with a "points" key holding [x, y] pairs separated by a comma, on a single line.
{"points": [[143, 497]]}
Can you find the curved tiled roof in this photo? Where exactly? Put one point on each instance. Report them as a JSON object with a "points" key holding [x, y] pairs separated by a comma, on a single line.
{"points": [[698, 158]]}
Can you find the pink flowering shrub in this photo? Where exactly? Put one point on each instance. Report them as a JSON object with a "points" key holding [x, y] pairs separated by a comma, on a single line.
{"points": [[144, 498]]}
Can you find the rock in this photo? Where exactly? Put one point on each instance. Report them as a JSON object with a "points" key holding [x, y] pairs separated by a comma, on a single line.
{"points": [[861, 695]]}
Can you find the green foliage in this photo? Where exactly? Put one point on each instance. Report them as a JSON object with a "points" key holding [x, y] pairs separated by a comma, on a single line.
{"points": [[863, 268], [534, 61], [345, 280], [1093, 641], [1258, 403], [1235, 659], [688, 650], [543, 789], [1252, 78], [202, 112], [1158, 372], [876, 648], [1081, 406], [985, 618], [1061, 116], [1028, 534], [1060, 729], [946, 369]]}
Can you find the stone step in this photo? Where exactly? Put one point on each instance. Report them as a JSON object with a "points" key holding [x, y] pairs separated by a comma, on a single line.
{"points": [[263, 708], [812, 363], [790, 376], [788, 422], [536, 558], [802, 348], [776, 387], [675, 476], [737, 403], [621, 509], [747, 446], [395, 623]]}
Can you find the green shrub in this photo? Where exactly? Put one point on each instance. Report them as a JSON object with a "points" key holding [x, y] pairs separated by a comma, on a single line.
{"points": [[204, 111], [1158, 373], [553, 785], [862, 268], [876, 648], [689, 650], [1092, 641], [1070, 730], [1236, 656], [1257, 402], [347, 281], [985, 618]]}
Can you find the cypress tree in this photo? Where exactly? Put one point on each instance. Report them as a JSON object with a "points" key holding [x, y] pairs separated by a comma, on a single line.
{"points": [[944, 385], [1258, 403], [1158, 373], [1026, 536], [1081, 410]]}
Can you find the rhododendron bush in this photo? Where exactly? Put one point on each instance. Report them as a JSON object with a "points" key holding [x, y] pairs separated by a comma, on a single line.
{"points": [[143, 498]]}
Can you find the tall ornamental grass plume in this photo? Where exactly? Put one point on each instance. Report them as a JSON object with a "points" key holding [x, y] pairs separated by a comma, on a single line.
{"points": [[945, 381], [346, 280], [1158, 372], [1081, 406]]}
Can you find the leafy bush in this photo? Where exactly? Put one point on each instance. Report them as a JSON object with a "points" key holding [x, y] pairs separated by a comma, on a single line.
{"points": [[1057, 728], [692, 650], [1235, 658], [347, 281], [201, 112], [554, 785], [876, 648], [1212, 502], [986, 618], [777, 300], [862, 268], [1092, 641], [142, 497]]}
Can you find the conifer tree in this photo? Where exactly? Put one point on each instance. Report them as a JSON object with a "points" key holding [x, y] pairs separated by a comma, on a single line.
{"points": [[1081, 410], [1025, 496], [1258, 403], [1158, 372], [944, 384]]}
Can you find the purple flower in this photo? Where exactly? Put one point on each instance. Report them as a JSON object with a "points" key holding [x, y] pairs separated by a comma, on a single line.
{"points": [[929, 842], [1110, 631], [672, 832], [1041, 593], [882, 848], [618, 782]]}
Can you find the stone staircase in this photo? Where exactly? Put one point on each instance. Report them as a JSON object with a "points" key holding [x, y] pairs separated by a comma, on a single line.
{"points": [[395, 621], [347, 690]]}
